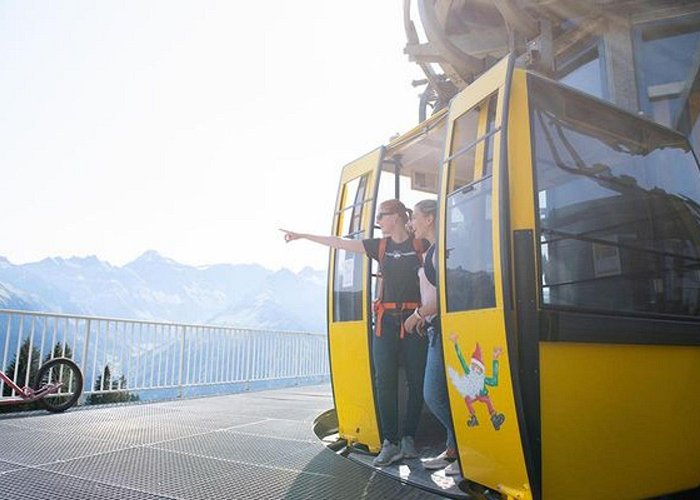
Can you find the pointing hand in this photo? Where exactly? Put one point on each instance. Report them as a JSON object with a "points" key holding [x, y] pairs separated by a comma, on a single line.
{"points": [[290, 235]]}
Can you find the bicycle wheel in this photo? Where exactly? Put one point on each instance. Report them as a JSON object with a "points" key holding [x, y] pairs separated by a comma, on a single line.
{"points": [[66, 372]]}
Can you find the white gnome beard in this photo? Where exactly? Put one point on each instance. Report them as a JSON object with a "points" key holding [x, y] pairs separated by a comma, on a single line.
{"points": [[467, 385], [473, 383]]}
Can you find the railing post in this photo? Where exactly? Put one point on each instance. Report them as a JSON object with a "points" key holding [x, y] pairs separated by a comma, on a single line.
{"points": [[182, 362], [3, 367], [83, 362]]}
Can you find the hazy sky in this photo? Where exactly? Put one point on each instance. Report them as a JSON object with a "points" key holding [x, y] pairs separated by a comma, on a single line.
{"points": [[193, 128]]}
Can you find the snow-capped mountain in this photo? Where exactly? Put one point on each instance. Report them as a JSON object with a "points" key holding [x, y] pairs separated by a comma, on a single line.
{"points": [[13, 299], [284, 301], [155, 287]]}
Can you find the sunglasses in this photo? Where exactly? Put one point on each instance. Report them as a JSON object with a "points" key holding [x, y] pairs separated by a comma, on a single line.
{"points": [[380, 215]]}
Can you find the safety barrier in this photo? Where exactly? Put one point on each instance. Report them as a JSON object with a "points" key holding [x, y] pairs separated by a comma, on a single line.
{"points": [[153, 360]]}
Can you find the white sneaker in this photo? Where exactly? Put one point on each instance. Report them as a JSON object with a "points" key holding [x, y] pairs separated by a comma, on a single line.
{"points": [[453, 469], [408, 447], [390, 453], [439, 462]]}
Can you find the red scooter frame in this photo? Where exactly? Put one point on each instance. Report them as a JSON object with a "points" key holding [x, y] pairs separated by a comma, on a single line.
{"points": [[48, 371]]}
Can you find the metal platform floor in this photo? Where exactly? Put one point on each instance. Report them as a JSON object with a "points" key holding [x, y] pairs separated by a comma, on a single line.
{"points": [[252, 445]]}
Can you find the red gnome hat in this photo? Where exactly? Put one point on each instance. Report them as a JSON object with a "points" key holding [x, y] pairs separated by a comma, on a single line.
{"points": [[476, 357]]}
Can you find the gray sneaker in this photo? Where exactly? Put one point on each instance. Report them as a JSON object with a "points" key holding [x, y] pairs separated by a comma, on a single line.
{"points": [[408, 447], [390, 453], [453, 469]]}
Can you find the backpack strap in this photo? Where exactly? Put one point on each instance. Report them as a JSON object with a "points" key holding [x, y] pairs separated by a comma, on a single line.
{"points": [[382, 251], [380, 258], [429, 266], [418, 247]]}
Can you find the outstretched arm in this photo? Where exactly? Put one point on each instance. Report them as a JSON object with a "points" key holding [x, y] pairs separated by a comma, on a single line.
{"points": [[329, 241]]}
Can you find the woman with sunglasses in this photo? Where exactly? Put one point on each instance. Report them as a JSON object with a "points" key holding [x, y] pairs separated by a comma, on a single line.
{"points": [[399, 257]]}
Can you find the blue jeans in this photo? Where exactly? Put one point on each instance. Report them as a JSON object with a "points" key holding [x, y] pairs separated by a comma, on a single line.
{"points": [[387, 350], [435, 388]]}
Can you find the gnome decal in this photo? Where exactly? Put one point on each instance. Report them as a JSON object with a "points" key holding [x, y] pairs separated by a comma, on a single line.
{"points": [[473, 384]]}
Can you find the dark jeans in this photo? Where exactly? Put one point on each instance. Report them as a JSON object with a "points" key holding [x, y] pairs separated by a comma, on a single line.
{"points": [[387, 351]]}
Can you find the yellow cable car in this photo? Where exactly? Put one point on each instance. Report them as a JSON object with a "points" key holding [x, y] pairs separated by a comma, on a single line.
{"points": [[569, 289]]}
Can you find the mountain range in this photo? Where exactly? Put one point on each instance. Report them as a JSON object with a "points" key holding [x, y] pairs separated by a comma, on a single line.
{"points": [[154, 287]]}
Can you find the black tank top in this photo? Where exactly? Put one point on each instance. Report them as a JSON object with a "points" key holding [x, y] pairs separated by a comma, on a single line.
{"points": [[428, 267]]}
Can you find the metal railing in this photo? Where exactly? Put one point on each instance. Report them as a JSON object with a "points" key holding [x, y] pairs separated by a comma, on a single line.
{"points": [[157, 359]]}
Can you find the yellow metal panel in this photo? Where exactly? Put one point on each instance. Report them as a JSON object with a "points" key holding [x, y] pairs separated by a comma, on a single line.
{"points": [[352, 384], [486, 84], [364, 164], [489, 456], [619, 421], [349, 340], [522, 197]]}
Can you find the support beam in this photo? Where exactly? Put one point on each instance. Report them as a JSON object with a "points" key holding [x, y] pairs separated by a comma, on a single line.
{"points": [[516, 17], [619, 63]]}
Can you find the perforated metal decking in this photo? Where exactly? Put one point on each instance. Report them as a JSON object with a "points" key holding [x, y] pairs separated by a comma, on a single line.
{"points": [[252, 445]]}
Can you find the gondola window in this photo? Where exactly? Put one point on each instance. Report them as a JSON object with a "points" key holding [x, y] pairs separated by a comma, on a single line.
{"points": [[347, 279], [619, 209], [469, 240]]}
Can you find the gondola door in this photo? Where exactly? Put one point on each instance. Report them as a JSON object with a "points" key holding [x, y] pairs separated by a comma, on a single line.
{"points": [[349, 314], [479, 355]]}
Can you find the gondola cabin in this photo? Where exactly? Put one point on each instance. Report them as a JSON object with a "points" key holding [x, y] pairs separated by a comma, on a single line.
{"points": [[569, 275]]}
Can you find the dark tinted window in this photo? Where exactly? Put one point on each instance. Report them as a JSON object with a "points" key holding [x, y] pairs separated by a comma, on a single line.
{"points": [[618, 207], [469, 248], [347, 281]]}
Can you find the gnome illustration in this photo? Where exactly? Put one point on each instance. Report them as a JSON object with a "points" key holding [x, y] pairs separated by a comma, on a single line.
{"points": [[473, 384]]}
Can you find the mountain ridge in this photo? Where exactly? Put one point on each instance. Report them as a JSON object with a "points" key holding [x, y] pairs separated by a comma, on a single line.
{"points": [[154, 287]]}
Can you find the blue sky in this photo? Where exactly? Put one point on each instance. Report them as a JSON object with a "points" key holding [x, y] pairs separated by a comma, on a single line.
{"points": [[194, 128]]}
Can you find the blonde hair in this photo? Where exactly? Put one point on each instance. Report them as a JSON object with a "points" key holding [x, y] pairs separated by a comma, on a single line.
{"points": [[427, 207]]}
